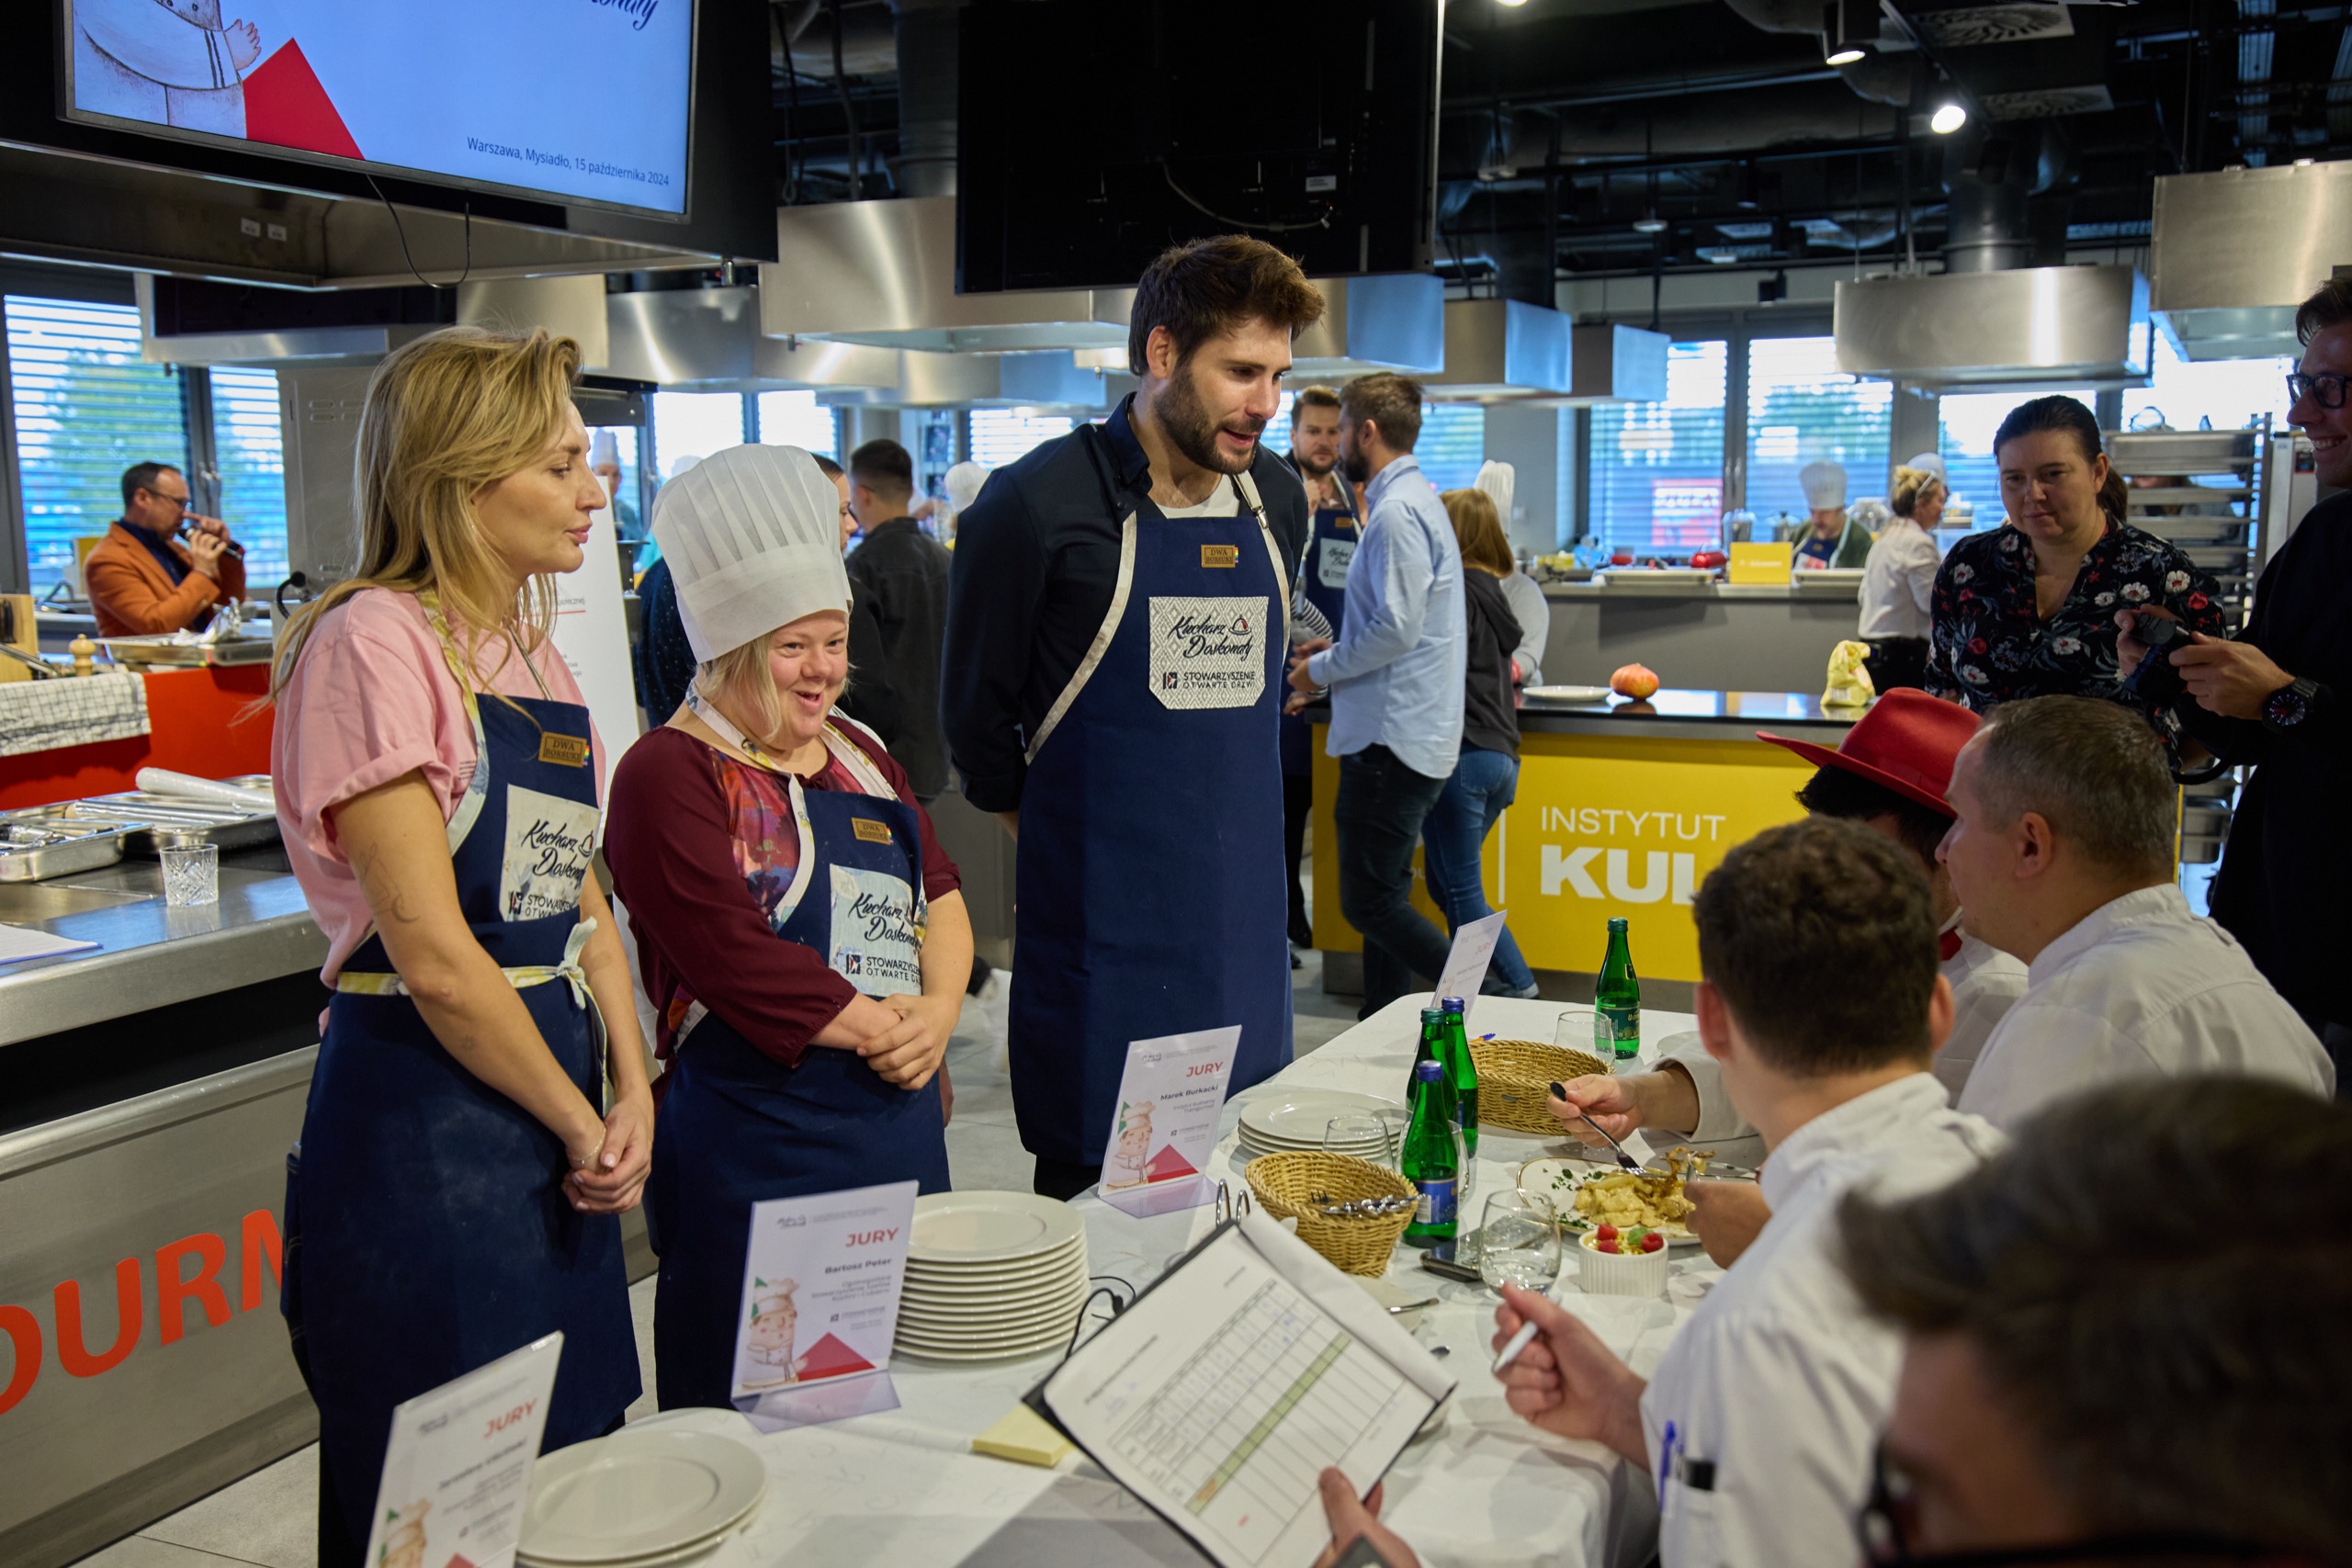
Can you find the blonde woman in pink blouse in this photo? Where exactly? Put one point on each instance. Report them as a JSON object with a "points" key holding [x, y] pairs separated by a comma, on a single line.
{"points": [[480, 1115]]}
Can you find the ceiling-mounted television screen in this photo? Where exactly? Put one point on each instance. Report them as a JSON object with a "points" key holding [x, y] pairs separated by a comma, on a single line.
{"points": [[584, 101]]}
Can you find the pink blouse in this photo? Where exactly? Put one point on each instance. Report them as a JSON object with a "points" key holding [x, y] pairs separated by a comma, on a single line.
{"points": [[370, 700]]}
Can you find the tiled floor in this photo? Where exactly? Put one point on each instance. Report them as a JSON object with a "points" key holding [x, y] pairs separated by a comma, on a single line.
{"points": [[269, 1517]]}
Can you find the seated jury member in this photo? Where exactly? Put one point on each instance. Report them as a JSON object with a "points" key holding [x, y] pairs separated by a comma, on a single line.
{"points": [[2062, 854], [2083, 1366], [1762, 1414], [801, 935], [1890, 773]]}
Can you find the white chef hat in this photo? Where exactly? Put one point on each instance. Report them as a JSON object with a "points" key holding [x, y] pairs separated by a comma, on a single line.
{"points": [[752, 536], [1824, 485], [1500, 481], [964, 481], [1931, 463], [603, 450]]}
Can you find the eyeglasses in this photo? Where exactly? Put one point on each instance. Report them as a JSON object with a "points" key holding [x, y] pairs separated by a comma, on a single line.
{"points": [[1886, 1522], [177, 502], [2325, 390]]}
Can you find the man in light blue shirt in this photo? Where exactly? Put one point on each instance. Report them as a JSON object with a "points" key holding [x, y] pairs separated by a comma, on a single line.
{"points": [[1395, 677]]}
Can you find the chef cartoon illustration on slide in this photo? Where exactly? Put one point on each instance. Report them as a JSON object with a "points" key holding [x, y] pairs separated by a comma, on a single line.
{"points": [[1128, 1162], [169, 61]]}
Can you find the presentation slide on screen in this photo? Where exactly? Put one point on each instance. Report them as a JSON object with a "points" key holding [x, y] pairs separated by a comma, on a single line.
{"points": [[584, 100]]}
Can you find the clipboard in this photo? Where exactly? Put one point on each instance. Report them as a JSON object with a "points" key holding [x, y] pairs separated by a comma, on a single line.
{"points": [[1218, 1410]]}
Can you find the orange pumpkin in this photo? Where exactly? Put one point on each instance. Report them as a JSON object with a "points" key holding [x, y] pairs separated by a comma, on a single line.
{"points": [[1635, 680]]}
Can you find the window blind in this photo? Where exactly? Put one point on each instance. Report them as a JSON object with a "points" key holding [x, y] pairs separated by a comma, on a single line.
{"points": [[87, 408], [694, 425], [249, 452], [1966, 422], [792, 419], [1452, 444], [1801, 409], [999, 435], [1657, 473]]}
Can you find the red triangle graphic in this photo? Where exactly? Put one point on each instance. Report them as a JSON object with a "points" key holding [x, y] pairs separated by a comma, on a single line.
{"points": [[285, 106], [1168, 1164], [458, 1560], [829, 1358]]}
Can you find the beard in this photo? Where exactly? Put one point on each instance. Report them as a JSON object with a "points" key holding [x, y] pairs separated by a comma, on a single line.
{"points": [[1353, 464], [1190, 430], [1306, 466]]}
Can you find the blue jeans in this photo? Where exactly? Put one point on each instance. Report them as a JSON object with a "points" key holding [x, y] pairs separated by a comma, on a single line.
{"points": [[1483, 783], [1378, 820]]}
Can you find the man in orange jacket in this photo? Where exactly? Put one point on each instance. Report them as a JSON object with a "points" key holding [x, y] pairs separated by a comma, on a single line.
{"points": [[142, 580]]}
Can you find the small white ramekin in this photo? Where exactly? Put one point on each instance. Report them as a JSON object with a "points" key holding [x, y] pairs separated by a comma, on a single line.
{"points": [[1620, 1273]]}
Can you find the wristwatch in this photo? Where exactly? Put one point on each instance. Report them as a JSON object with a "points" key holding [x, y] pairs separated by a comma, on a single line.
{"points": [[2286, 710]]}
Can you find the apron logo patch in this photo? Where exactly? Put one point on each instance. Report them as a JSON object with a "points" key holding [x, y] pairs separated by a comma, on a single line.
{"points": [[549, 842], [874, 945], [873, 832], [1333, 558], [1221, 555], [1208, 653], [564, 750]]}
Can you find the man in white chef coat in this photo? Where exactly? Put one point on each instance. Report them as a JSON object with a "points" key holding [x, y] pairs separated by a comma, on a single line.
{"points": [[1759, 1427], [2062, 854]]}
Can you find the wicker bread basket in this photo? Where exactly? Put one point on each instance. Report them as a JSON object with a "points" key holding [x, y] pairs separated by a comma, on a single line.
{"points": [[1515, 1079], [1285, 1186]]}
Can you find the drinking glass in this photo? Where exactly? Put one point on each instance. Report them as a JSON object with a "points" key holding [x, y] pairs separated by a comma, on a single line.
{"points": [[1519, 1243], [1574, 1031], [1361, 1138], [191, 877]]}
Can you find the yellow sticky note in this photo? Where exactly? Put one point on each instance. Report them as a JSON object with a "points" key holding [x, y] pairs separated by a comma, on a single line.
{"points": [[1024, 1436]]}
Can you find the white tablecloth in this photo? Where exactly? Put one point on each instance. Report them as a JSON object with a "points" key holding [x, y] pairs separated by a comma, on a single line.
{"points": [[904, 1488]]}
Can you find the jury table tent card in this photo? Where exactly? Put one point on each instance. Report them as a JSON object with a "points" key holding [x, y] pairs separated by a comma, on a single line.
{"points": [[1163, 1125], [821, 1280], [458, 1473], [1466, 962]]}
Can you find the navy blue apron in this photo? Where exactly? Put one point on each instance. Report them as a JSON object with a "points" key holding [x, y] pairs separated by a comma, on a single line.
{"points": [[737, 1127], [1323, 581], [1151, 857], [427, 1229]]}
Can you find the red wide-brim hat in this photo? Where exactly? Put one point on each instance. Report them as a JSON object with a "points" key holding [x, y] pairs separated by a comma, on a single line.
{"points": [[1907, 742]]}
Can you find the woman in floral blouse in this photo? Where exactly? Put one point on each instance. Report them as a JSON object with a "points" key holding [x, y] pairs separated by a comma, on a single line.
{"points": [[2027, 610]]}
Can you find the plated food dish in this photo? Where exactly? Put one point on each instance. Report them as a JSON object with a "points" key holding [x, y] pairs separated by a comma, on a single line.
{"points": [[1590, 1193]]}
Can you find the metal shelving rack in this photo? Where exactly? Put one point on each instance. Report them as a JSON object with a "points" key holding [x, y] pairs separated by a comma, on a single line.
{"points": [[2206, 491]]}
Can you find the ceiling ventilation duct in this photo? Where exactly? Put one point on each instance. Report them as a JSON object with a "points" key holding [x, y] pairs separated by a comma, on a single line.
{"points": [[1501, 350], [883, 273], [708, 340], [2221, 297], [1047, 383], [1391, 321]]}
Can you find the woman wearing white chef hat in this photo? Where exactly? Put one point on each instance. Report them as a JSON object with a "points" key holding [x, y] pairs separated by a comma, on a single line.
{"points": [[1833, 540], [801, 935]]}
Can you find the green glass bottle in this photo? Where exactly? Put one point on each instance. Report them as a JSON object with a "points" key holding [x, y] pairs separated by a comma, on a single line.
{"points": [[1617, 997], [1434, 1047], [1462, 1071], [1433, 1162]]}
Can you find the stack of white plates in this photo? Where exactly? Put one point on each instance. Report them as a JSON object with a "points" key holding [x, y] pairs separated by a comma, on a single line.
{"points": [[1281, 1122], [635, 1499], [991, 1276]]}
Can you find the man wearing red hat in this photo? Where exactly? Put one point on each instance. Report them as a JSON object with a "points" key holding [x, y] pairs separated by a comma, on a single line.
{"points": [[1891, 773]]}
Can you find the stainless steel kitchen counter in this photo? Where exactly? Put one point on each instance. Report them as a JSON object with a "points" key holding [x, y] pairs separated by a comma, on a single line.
{"points": [[151, 955]]}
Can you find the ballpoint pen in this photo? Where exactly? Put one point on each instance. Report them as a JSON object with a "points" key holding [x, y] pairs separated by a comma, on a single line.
{"points": [[1526, 1334]]}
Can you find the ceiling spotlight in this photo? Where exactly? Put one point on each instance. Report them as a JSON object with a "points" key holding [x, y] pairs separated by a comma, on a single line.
{"points": [[2303, 163], [1514, 4], [1849, 29], [1948, 117], [1649, 223]]}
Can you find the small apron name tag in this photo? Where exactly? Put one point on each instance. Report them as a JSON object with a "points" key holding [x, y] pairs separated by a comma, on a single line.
{"points": [[1333, 558], [873, 832], [874, 945], [1208, 653], [1221, 555], [549, 842], [564, 750]]}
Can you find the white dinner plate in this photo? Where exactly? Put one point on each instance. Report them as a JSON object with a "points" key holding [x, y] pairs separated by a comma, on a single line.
{"points": [[1268, 1146], [1296, 1119], [990, 1227], [1025, 1338], [1556, 1181], [987, 1349], [634, 1495], [994, 1320], [694, 1550], [1044, 1290], [925, 1353], [1056, 1257], [1568, 693]]}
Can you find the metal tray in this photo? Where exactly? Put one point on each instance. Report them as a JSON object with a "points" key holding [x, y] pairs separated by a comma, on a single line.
{"points": [[44, 840], [166, 651], [2180, 451], [224, 827]]}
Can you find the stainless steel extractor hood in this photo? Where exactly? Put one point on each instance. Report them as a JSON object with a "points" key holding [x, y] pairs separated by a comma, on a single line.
{"points": [[1049, 382], [1502, 350], [708, 340], [883, 273], [1388, 322], [2232, 253], [1997, 330]]}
